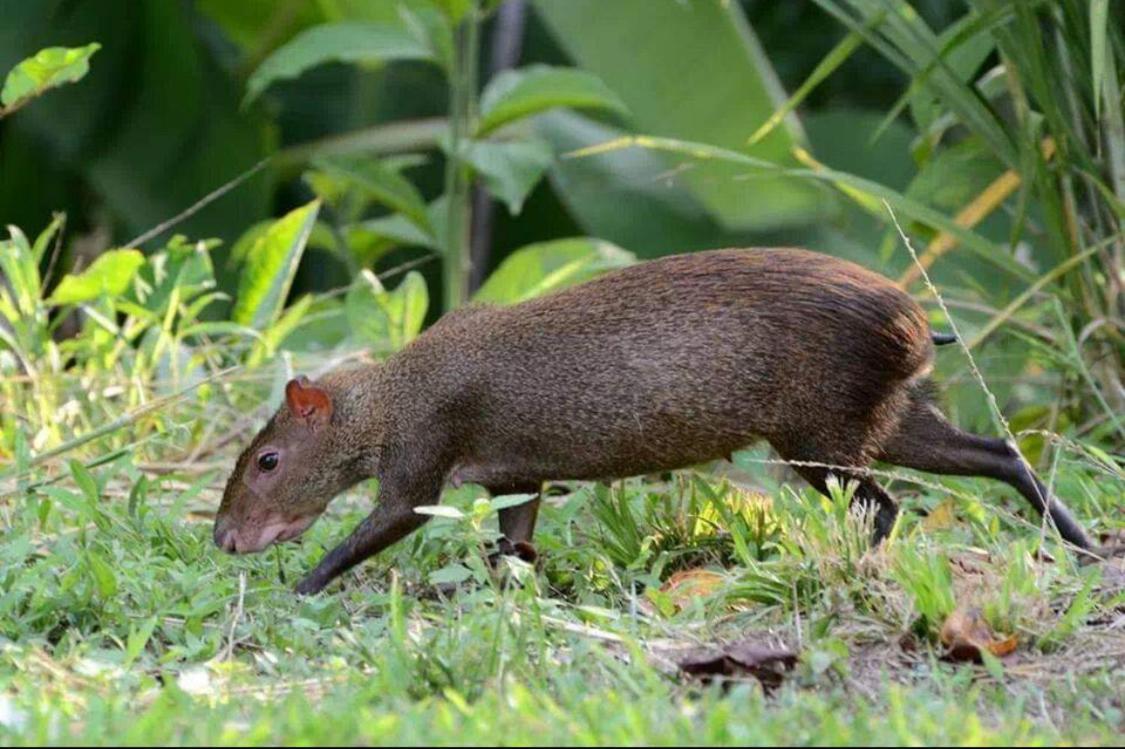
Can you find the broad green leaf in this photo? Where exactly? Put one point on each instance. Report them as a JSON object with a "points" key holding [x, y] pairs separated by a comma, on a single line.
{"points": [[451, 574], [369, 240], [510, 169], [17, 261], [270, 266], [625, 196], [383, 184], [387, 320], [694, 71], [49, 68], [515, 94], [109, 276], [546, 266], [369, 43]]}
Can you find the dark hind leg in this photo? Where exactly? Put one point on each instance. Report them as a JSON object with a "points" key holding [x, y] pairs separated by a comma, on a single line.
{"points": [[517, 524], [867, 493], [926, 441]]}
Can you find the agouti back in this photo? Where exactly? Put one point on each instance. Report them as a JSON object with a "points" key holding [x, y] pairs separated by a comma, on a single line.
{"points": [[653, 367]]}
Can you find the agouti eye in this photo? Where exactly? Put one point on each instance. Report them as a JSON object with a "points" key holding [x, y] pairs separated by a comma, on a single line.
{"points": [[267, 461]]}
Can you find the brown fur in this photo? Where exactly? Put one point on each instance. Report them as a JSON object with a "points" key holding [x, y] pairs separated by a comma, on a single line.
{"points": [[654, 367]]}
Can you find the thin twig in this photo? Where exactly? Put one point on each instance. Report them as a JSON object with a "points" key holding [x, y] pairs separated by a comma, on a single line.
{"points": [[237, 614], [200, 204]]}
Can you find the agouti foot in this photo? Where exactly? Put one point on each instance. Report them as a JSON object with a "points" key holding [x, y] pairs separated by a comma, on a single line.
{"points": [[311, 585], [522, 550]]}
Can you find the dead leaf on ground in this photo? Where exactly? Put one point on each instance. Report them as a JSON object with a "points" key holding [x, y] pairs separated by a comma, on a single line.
{"points": [[941, 517], [747, 657], [966, 635], [685, 585]]}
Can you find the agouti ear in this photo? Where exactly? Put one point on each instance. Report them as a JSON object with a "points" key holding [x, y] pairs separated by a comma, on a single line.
{"points": [[308, 402]]}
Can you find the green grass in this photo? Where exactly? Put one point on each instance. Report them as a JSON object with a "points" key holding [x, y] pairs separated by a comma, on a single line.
{"points": [[120, 622]]}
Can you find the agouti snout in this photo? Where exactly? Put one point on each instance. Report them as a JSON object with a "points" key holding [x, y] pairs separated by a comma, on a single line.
{"points": [[653, 367]]}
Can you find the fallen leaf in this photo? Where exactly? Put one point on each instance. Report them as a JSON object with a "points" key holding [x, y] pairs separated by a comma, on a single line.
{"points": [[686, 585], [747, 657], [941, 517], [965, 635]]}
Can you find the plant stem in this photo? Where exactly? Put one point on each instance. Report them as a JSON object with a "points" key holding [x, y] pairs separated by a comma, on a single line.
{"points": [[507, 46], [462, 82]]}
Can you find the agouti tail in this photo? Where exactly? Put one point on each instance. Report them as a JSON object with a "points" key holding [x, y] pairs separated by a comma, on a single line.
{"points": [[654, 367]]}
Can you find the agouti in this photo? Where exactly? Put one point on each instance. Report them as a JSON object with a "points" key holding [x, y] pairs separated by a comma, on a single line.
{"points": [[653, 367]]}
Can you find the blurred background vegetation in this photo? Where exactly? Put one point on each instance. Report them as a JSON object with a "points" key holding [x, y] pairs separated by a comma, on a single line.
{"points": [[994, 130]]}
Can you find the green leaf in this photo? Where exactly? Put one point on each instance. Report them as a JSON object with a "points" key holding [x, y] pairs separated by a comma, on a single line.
{"points": [[539, 268], [505, 501], [369, 240], [104, 578], [49, 68], [383, 184], [85, 481], [39, 249], [515, 94], [387, 320], [138, 637], [19, 265], [625, 196], [451, 574], [270, 267], [510, 169], [369, 43], [698, 73], [109, 276]]}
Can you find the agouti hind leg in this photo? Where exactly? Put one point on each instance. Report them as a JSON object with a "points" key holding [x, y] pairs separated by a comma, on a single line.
{"points": [[927, 442], [517, 524], [868, 494]]}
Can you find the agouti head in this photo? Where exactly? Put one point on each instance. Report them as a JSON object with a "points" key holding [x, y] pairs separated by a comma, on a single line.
{"points": [[285, 479]]}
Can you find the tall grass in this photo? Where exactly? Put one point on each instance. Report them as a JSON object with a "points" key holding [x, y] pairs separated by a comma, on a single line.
{"points": [[1045, 97]]}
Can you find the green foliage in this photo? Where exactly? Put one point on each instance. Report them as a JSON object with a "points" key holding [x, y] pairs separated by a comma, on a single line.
{"points": [[271, 263], [516, 94], [700, 75], [539, 268], [509, 169], [110, 275], [122, 624], [366, 43], [386, 320], [49, 68]]}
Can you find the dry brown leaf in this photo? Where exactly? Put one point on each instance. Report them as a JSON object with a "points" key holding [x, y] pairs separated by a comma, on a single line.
{"points": [[966, 634], [941, 517], [747, 657], [686, 585]]}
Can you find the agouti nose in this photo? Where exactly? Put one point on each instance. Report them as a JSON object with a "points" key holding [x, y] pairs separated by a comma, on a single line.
{"points": [[225, 538]]}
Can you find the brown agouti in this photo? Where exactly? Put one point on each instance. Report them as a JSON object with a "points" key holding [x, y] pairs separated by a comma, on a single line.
{"points": [[653, 367]]}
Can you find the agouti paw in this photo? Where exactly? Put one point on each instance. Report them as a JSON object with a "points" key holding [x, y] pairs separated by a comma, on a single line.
{"points": [[311, 585], [522, 550]]}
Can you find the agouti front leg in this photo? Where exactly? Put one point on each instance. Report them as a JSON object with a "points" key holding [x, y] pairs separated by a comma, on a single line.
{"points": [[392, 519]]}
